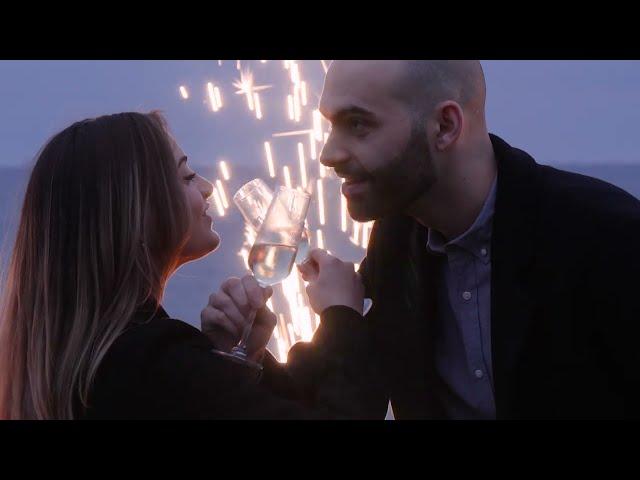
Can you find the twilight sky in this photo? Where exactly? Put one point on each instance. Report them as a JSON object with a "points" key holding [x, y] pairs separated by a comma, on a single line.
{"points": [[562, 112]]}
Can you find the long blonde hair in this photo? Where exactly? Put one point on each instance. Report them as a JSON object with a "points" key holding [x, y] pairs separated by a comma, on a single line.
{"points": [[102, 222]]}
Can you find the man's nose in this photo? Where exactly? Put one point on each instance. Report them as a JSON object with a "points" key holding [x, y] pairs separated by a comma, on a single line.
{"points": [[333, 155]]}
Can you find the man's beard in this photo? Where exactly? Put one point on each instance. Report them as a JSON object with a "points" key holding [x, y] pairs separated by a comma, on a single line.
{"points": [[396, 187]]}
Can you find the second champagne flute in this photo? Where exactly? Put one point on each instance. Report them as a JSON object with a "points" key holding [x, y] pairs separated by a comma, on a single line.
{"points": [[253, 200], [274, 250]]}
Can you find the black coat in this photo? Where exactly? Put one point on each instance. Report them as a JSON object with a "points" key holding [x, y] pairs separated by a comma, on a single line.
{"points": [[565, 300], [162, 368]]}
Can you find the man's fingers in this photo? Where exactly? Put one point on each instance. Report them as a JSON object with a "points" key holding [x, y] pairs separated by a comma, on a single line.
{"points": [[308, 270], [319, 256]]}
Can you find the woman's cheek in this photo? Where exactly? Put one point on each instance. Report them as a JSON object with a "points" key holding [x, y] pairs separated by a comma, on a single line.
{"points": [[192, 200]]}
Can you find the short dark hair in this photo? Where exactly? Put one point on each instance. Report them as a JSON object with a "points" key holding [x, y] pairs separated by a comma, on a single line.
{"points": [[428, 82]]}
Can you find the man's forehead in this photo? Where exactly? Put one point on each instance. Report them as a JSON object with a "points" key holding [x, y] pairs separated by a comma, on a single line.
{"points": [[383, 69], [365, 83]]}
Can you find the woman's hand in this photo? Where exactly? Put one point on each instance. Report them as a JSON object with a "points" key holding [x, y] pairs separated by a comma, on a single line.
{"points": [[230, 311]]}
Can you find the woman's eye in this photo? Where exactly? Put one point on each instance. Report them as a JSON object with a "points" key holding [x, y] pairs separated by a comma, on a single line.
{"points": [[190, 177]]}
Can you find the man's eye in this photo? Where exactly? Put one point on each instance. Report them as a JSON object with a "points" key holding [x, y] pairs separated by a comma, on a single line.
{"points": [[357, 125]]}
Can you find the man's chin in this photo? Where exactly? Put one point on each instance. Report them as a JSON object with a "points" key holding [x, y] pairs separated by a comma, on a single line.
{"points": [[361, 214]]}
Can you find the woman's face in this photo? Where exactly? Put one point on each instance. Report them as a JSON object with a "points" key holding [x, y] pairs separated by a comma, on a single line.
{"points": [[202, 238]]}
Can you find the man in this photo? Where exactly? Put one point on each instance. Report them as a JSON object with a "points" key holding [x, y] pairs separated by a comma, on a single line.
{"points": [[501, 288]]}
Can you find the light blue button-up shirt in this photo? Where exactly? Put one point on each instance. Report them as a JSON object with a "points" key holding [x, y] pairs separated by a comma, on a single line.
{"points": [[463, 339]]}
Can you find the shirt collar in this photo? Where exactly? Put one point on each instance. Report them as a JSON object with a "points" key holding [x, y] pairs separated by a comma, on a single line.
{"points": [[477, 239]]}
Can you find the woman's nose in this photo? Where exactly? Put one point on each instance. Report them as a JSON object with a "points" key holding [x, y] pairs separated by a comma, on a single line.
{"points": [[206, 188]]}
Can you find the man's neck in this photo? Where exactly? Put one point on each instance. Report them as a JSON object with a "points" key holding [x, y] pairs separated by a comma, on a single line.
{"points": [[455, 201]]}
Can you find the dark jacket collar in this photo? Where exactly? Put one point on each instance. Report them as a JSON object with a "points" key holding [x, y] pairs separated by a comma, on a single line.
{"points": [[513, 245], [516, 202], [147, 311]]}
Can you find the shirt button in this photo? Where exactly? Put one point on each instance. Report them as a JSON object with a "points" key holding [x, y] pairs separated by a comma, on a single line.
{"points": [[478, 373], [466, 296], [483, 252]]}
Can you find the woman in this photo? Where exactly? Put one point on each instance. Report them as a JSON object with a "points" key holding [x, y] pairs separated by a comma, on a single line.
{"points": [[111, 210]]}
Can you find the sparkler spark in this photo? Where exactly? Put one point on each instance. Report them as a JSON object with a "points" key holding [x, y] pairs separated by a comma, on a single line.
{"points": [[212, 97], [246, 87], [218, 201], [312, 147], [244, 253], [355, 238], [221, 192], [343, 213], [296, 321], [292, 334], [256, 101], [303, 168], [306, 330], [317, 126], [282, 349], [224, 170], [297, 112], [218, 97], [292, 133], [272, 170], [295, 73], [290, 110], [320, 203], [287, 176], [365, 234]]}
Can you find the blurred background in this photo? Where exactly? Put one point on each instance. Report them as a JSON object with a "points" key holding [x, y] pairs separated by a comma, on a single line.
{"points": [[239, 120]]}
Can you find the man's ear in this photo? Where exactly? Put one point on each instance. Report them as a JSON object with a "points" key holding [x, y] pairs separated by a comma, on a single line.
{"points": [[450, 120]]}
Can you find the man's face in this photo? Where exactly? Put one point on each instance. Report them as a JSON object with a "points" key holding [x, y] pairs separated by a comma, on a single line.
{"points": [[375, 144]]}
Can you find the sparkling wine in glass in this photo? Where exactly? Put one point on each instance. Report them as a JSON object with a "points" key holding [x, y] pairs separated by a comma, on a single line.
{"points": [[276, 245], [253, 200], [273, 253]]}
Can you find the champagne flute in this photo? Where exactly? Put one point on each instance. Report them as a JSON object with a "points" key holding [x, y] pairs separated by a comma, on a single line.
{"points": [[274, 250], [253, 200]]}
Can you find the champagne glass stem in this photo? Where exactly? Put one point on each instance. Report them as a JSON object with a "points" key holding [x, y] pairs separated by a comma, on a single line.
{"points": [[241, 348]]}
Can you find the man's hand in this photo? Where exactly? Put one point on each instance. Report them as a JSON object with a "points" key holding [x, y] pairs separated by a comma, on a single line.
{"points": [[331, 282], [230, 311]]}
